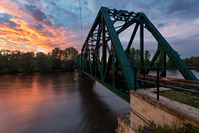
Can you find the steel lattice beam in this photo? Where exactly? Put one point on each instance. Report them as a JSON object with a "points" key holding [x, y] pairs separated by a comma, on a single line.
{"points": [[104, 59]]}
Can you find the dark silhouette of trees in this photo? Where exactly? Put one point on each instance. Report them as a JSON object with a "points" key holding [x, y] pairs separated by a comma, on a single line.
{"points": [[3, 63], [71, 53], [64, 60], [192, 62], [13, 62], [147, 57], [57, 60], [43, 62], [135, 54], [27, 62]]}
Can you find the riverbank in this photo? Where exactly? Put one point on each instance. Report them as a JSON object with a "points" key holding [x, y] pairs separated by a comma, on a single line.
{"points": [[37, 71]]}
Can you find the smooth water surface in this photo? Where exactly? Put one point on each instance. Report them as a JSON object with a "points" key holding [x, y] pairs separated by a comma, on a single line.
{"points": [[55, 102], [48, 103]]}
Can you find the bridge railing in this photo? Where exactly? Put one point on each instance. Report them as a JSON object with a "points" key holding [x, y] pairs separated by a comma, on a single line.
{"points": [[157, 82]]}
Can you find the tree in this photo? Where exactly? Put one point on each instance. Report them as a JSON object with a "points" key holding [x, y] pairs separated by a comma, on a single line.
{"points": [[27, 62], [43, 62], [147, 57], [65, 55], [72, 53], [13, 62], [69, 65], [192, 61], [135, 54], [3, 60], [56, 58]]}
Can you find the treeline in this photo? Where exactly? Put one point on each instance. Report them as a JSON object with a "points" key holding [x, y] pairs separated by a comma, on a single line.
{"points": [[192, 61], [135, 53], [57, 60]]}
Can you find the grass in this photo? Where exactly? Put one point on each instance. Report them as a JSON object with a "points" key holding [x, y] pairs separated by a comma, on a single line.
{"points": [[175, 128], [182, 97]]}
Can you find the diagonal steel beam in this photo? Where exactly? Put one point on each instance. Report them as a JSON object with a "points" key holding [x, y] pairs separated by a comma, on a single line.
{"points": [[132, 36], [119, 51], [187, 74], [153, 60]]}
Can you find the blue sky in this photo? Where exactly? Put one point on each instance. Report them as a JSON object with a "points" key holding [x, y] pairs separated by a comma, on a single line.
{"points": [[41, 25]]}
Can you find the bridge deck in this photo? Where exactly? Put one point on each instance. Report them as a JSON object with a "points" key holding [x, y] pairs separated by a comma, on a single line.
{"points": [[189, 84]]}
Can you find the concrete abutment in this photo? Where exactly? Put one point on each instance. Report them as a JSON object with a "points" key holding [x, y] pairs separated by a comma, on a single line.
{"points": [[144, 108]]}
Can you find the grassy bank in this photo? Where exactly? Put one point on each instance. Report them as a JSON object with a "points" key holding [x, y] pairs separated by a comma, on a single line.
{"points": [[188, 98]]}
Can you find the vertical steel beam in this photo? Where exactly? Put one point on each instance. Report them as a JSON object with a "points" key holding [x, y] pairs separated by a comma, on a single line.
{"points": [[163, 62], [108, 66], [141, 46], [114, 69], [187, 74], [119, 51], [104, 51], [157, 83], [118, 59]]}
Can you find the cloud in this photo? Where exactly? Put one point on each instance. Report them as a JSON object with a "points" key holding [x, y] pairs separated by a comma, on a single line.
{"points": [[184, 8], [37, 14], [187, 46], [45, 24], [34, 30], [5, 20]]}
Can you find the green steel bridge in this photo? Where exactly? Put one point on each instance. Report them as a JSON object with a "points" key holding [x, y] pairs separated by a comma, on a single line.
{"points": [[104, 59]]}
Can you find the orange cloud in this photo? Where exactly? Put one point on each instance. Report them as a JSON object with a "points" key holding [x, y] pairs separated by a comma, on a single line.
{"points": [[26, 36]]}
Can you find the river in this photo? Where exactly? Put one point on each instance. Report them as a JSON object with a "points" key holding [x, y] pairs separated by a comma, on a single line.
{"points": [[55, 102]]}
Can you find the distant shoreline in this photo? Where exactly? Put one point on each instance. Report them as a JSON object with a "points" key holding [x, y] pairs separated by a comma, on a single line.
{"points": [[52, 71]]}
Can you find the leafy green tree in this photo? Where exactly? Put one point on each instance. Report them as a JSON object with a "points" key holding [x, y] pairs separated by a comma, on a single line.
{"points": [[27, 62], [56, 58], [3, 60], [192, 62], [147, 57], [72, 53], [43, 62], [69, 65], [65, 55], [13, 62], [135, 54]]}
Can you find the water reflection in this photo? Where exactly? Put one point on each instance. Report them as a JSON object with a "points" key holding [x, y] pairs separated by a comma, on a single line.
{"points": [[95, 111], [56, 103]]}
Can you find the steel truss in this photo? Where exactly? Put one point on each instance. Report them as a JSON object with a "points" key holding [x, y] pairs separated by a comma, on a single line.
{"points": [[104, 59]]}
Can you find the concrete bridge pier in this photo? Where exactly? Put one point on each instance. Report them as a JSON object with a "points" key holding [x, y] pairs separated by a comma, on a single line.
{"points": [[144, 108]]}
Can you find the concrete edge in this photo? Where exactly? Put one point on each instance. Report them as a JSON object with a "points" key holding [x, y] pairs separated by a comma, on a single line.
{"points": [[166, 108]]}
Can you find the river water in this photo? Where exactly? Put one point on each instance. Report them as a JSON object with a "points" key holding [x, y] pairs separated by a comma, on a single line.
{"points": [[55, 102]]}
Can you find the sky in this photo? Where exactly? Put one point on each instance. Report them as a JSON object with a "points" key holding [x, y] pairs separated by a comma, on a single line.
{"points": [[41, 25]]}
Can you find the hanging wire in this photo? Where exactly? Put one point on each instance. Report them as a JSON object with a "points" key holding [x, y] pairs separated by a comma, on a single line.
{"points": [[80, 12]]}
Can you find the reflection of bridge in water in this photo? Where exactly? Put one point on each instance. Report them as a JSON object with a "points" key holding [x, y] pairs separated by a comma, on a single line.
{"points": [[104, 59]]}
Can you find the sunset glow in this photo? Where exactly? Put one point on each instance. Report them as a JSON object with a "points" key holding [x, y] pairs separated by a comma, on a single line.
{"points": [[42, 25], [27, 28]]}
